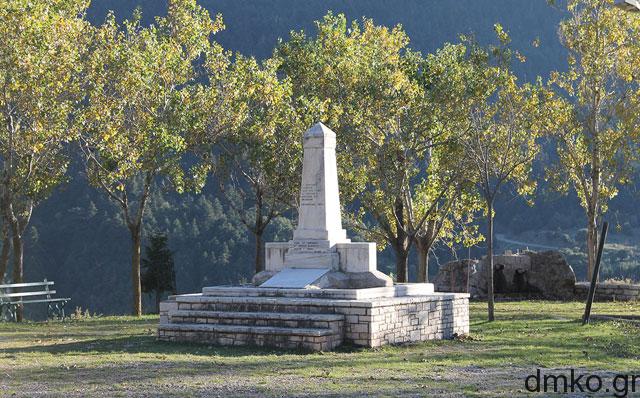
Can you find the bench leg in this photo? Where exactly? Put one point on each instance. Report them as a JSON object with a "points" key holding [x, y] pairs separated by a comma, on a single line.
{"points": [[61, 310], [9, 312], [56, 310]]}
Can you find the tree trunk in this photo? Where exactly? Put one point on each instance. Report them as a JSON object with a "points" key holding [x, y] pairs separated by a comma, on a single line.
{"points": [[6, 249], [135, 228], [402, 244], [258, 232], [174, 285], [402, 262], [158, 298], [593, 199], [259, 251], [592, 245], [489, 262], [135, 268], [17, 225], [18, 269], [423, 259]]}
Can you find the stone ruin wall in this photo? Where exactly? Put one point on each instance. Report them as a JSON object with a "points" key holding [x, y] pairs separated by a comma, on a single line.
{"points": [[543, 275], [609, 291]]}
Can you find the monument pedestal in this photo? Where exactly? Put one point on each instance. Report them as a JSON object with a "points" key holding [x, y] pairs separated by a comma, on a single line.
{"points": [[347, 265], [314, 319], [319, 289]]}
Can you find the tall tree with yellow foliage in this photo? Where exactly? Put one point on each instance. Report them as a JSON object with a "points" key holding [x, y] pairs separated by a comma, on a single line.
{"points": [[144, 110], [40, 61]]}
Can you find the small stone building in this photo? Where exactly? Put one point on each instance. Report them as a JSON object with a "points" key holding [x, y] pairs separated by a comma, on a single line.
{"points": [[531, 274]]}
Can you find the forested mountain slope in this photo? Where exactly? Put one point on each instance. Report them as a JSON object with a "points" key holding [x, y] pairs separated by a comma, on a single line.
{"points": [[78, 238]]}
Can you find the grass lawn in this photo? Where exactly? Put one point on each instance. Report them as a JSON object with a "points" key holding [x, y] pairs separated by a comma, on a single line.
{"points": [[119, 356]]}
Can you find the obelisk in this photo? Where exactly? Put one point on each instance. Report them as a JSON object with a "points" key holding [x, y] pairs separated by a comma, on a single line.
{"points": [[319, 226], [320, 254], [319, 215]]}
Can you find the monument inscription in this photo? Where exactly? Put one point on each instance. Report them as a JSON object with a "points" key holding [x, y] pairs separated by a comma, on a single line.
{"points": [[307, 246], [309, 194]]}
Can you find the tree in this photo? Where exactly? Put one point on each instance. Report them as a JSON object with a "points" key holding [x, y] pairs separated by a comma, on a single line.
{"points": [[443, 205], [158, 273], [260, 155], [39, 64], [143, 112], [597, 139], [448, 221], [505, 122], [361, 79], [6, 250]]}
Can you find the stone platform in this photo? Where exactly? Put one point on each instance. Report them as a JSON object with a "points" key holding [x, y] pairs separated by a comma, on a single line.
{"points": [[314, 319], [319, 289]]}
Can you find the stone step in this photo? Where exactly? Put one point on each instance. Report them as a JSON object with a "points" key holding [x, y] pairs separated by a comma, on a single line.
{"points": [[275, 319], [261, 304], [295, 305], [398, 290], [315, 339]]}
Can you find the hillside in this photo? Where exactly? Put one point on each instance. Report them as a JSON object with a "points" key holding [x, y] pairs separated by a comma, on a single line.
{"points": [[78, 239]]}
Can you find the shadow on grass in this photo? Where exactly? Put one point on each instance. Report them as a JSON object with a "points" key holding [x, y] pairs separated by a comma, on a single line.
{"points": [[350, 372], [495, 341], [245, 368], [479, 323], [147, 345], [103, 355], [516, 337]]}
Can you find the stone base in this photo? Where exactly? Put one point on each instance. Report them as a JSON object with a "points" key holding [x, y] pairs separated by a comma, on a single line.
{"points": [[316, 339], [314, 319], [353, 280], [262, 277], [337, 280], [345, 256], [398, 290]]}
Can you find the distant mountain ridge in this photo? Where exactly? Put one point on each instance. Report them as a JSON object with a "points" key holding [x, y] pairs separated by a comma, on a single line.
{"points": [[254, 26]]}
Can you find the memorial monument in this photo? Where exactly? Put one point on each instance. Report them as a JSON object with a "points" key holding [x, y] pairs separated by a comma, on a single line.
{"points": [[319, 289], [320, 254]]}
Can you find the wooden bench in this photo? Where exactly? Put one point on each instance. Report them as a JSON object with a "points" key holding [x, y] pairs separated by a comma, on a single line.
{"points": [[12, 296]]}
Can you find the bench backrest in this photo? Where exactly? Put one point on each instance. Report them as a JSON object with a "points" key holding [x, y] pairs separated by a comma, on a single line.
{"points": [[17, 291]]}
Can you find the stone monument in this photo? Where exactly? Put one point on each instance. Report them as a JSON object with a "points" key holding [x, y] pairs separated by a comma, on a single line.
{"points": [[319, 289], [320, 254]]}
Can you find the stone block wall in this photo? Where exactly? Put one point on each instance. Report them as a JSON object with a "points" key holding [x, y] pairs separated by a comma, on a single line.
{"points": [[407, 319], [165, 307], [235, 336], [609, 291]]}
